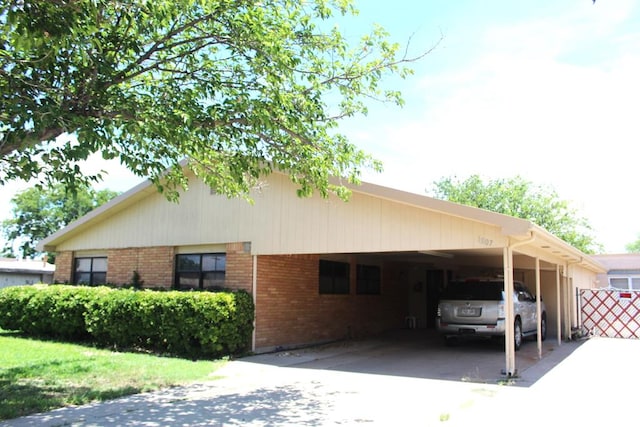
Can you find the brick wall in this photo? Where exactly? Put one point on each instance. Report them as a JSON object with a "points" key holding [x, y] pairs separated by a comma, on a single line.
{"points": [[239, 272], [156, 266], [64, 267], [290, 311], [153, 264]]}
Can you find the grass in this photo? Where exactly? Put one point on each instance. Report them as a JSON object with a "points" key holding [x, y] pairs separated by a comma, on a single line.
{"points": [[38, 376]]}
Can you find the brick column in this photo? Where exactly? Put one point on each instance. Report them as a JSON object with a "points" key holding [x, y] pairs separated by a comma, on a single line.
{"points": [[239, 271], [153, 264], [64, 267], [120, 265], [156, 266]]}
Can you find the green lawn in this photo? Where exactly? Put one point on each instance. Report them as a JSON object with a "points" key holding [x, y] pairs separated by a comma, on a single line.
{"points": [[37, 376]]}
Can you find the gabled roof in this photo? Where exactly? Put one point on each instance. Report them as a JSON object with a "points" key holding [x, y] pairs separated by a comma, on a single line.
{"points": [[516, 229], [510, 225]]}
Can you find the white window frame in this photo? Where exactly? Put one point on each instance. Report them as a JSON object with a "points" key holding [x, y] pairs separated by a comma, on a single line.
{"points": [[628, 277]]}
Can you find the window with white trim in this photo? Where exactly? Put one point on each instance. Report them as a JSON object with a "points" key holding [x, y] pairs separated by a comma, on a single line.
{"points": [[631, 283]]}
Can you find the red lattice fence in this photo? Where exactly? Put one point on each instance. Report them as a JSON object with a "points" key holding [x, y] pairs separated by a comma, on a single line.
{"points": [[611, 313]]}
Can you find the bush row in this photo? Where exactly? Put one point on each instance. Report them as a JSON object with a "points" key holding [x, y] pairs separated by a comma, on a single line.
{"points": [[192, 324]]}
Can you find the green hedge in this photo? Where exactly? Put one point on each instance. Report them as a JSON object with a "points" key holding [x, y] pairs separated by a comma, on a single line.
{"points": [[193, 324]]}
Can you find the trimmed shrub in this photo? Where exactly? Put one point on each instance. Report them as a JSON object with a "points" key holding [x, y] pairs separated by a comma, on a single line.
{"points": [[13, 306], [184, 323], [194, 324], [55, 311]]}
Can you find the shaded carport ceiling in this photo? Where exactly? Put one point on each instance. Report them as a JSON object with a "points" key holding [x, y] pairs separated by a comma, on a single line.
{"points": [[489, 258]]}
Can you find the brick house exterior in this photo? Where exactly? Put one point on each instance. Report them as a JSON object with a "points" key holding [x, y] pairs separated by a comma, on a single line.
{"points": [[319, 269]]}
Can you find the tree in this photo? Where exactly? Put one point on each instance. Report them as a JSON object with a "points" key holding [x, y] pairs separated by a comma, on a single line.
{"points": [[38, 213], [233, 89], [522, 199], [633, 247]]}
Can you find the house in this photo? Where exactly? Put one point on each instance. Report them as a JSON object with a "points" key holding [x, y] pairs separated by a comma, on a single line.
{"points": [[623, 271], [319, 269], [15, 272]]}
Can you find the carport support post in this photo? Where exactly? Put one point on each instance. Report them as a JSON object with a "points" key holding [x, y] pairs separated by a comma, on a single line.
{"points": [[538, 308], [558, 308], [510, 353], [254, 291]]}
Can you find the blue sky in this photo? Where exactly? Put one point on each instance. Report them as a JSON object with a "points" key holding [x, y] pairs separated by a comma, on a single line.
{"points": [[547, 90]]}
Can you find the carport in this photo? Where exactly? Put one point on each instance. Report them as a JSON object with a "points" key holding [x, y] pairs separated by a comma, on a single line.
{"points": [[553, 270], [419, 244]]}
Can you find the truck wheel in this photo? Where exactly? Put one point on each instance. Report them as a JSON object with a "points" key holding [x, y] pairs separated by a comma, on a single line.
{"points": [[517, 335]]}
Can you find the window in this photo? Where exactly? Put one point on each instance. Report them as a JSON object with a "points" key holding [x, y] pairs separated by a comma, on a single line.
{"points": [[200, 271], [625, 283], [368, 279], [90, 271], [334, 277]]}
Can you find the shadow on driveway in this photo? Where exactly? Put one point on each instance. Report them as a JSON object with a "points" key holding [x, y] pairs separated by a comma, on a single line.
{"points": [[422, 354]]}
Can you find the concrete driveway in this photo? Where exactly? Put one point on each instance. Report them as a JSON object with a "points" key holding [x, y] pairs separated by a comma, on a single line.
{"points": [[407, 379]]}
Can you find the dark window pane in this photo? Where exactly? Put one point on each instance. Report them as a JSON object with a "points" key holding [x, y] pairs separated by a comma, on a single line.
{"points": [[341, 270], [213, 262], [326, 285], [341, 285], [188, 263], [99, 278], [83, 278], [334, 277], [368, 279]]}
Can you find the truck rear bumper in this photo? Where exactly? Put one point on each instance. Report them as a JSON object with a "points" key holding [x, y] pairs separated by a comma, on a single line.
{"points": [[449, 329]]}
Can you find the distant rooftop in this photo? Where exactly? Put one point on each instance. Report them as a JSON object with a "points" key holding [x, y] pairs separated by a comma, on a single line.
{"points": [[14, 265], [617, 262]]}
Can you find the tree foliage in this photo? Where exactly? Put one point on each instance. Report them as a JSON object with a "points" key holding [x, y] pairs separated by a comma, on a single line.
{"points": [[633, 247], [232, 88], [522, 199], [38, 213]]}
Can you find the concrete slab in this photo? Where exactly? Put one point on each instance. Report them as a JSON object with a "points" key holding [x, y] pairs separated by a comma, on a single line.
{"points": [[417, 354], [381, 382]]}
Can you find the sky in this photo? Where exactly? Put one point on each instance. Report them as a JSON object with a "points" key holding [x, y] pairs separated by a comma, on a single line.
{"points": [[546, 90]]}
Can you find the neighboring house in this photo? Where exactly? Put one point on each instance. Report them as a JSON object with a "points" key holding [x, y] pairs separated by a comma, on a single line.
{"points": [[623, 271], [319, 269], [15, 272]]}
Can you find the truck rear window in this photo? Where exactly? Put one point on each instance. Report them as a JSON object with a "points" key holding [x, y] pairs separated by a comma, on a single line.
{"points": [[474, 290]]}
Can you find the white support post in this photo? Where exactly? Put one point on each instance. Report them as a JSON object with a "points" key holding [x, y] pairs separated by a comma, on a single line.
{"points": [[538, 308], [558, 307], [510, 354], [254, 290]]}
